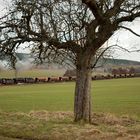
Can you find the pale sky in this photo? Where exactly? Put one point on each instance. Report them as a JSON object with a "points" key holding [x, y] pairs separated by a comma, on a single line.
{"points": [[128, 40], [123, 38]]}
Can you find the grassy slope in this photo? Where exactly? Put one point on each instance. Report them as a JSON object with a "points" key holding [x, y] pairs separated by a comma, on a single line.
{"points": [[119, 96]]}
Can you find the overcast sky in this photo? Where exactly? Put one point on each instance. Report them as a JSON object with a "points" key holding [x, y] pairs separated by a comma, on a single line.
{"points": [[123, 38]]}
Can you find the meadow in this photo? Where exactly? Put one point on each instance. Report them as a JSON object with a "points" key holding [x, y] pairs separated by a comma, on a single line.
{"points": [[119, 96], [45, 111]]}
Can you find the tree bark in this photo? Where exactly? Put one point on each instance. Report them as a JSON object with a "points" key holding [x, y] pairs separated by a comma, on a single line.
{"points": [[82, 104]]}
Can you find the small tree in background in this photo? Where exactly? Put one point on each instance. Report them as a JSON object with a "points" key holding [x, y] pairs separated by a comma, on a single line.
{"points": [[131, 70], [66, 31]]}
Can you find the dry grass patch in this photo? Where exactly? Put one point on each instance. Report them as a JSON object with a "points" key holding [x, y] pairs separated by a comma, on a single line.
{"points": [[45, 115], [44, 125], [111, 119]]}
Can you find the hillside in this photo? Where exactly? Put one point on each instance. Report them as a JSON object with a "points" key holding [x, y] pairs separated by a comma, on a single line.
{"points": [[120, 62], [24, 56], [104, 63]]}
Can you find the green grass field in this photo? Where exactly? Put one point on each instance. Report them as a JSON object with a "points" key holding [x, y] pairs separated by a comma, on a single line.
{"points": [[44, 111], [119, 96]]}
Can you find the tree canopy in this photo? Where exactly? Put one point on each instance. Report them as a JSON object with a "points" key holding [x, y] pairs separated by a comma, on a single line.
{"points": [[64, 25]]}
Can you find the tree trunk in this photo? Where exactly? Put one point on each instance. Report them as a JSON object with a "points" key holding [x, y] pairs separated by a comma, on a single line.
{"points": [[82, 104]]}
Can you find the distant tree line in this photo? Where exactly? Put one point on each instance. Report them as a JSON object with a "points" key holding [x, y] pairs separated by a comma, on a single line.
{"points": [[121, 70], [113, 71]]}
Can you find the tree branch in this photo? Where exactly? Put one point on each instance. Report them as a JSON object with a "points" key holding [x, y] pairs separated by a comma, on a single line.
{"points": [[115, 9], [129, 30], [92, 4], [109, 47], [129, 18]]}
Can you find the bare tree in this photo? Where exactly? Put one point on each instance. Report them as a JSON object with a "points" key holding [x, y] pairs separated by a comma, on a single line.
{"points": [[75, 30]]}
